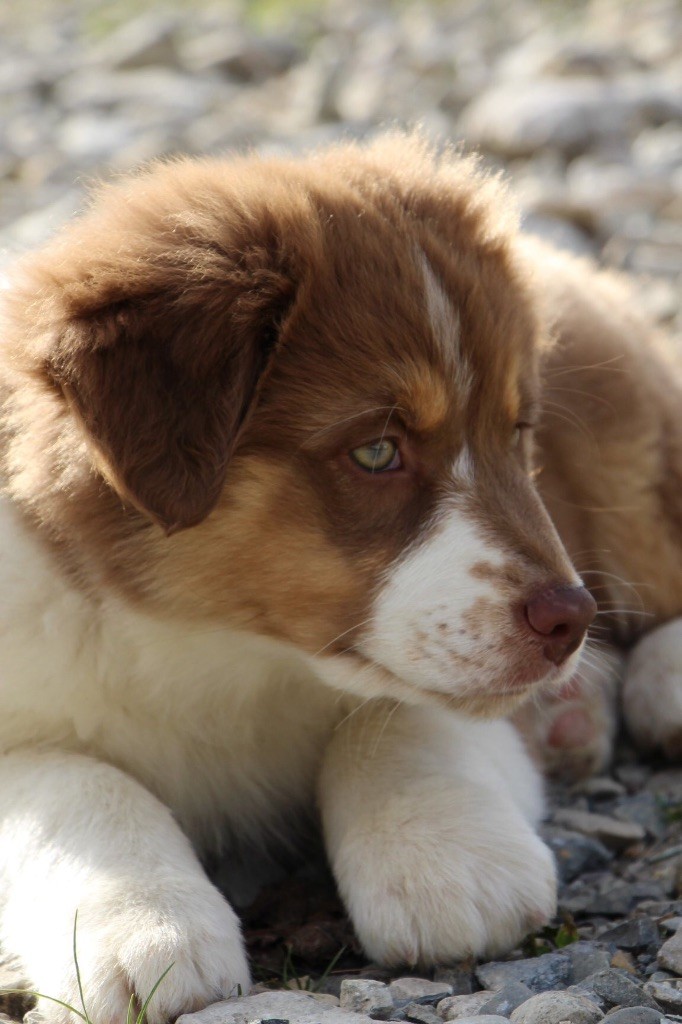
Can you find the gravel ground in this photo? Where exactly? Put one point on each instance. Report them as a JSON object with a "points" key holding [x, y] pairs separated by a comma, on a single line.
{"points": [[581, 104]]}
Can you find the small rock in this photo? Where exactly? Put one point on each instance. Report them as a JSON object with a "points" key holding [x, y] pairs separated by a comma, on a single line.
{"points": [[635, 1015], [457, 1007], [575, 853], [667, 996], [638, 934], [587, 959], [486, 1018], [539, 973], [300, 1007], [618, 990], [460, 978], [507, 999], [557, 1008], [388, 1013], [644, 810], [419, 990], [362, 995], [600, 787], [624, 961], [613, 833], [418, 1013], [670, 954]]}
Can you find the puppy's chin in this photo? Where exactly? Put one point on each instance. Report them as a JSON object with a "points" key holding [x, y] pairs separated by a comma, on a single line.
{"points": [[355, 674]]}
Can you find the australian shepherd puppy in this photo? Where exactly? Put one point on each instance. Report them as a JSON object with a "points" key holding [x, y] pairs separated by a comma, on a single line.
{"points": [[272, 546]]}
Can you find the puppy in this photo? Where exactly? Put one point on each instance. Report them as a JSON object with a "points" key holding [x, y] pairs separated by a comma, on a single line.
{"points": [[272, 549]]}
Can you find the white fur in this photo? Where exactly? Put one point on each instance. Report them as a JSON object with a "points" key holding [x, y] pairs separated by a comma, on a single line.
{"points": [[108, 718], [428, 826], [652, 691], [418, 629]]}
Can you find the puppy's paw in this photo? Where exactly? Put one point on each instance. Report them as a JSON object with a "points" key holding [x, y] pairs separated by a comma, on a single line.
{"points": [[128, 938], [570, 732], [652, 691], [446, 876]]}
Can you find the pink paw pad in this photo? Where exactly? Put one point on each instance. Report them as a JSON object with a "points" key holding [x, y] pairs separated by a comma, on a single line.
{"points": [[572, 728]]}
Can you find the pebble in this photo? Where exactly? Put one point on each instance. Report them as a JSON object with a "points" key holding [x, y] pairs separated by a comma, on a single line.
{"points": [[540, 974], [586, 959], [418, 1013], [635, 1015], [557, 1008], [575, 853], [507, 999], [670, 954], [419, 989], [667, 996], [618, 990], [298, 1007], [362, 995], [457, 1007], [638, 934], [613, 833], [460, 978]]}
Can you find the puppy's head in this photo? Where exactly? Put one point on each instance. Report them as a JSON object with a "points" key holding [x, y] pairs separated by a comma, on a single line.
{"points": [[298, 399]]}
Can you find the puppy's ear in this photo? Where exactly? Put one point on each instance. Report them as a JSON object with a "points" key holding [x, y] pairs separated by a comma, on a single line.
{"points": [[162, 384]]}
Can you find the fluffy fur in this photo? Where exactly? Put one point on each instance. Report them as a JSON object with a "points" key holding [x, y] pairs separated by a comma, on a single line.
{"points": [[216, 625]]}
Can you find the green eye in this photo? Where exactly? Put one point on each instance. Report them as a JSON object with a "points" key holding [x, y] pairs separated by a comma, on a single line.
{"points": [[377, 457]]}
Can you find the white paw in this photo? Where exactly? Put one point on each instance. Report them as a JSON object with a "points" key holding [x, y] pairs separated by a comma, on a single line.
{"points": [[443, 875], [127, 938], [652, 692], [570, 732]]}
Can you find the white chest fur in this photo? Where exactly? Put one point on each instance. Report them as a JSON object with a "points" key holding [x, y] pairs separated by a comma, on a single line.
{"points": [[222, 726]]}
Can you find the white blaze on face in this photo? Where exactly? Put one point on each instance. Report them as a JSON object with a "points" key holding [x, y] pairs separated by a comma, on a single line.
{"points": [[419, 628], [445, 326]]}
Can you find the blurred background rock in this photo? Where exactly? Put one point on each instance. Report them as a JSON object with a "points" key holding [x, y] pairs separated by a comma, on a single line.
{"points": [[580, 101]]}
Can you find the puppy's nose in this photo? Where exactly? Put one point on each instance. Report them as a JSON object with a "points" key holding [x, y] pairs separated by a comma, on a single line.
{"points": [[561, 616]]}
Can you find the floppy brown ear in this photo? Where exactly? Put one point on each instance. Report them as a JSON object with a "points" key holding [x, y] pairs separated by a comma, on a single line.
{"points": [[163, 383]]}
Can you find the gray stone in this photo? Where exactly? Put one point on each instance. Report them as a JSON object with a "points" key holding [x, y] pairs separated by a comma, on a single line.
{"points": [[457, 1007], [362, 995], [600, 787], [419, 989], [300, 1007], [557, 1008], [460, 979], [575, 853], [668, 997], [587, 959], [486, 1018], [613, 833], [618, 990], [671, 925], [636, 935], [419, 1013], [670, 954], [540, 973], [644, 810], [635, 1015], [507, 999]]}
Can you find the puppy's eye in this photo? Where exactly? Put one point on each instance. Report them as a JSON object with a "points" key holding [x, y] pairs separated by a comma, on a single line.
{"points": [[377, 456]]}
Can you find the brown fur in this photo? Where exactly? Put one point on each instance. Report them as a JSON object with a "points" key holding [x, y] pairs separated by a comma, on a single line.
{"points": [[205, 346]]}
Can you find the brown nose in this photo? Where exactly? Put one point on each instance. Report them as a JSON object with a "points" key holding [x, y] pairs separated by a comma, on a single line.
{"points": [[561, 616]]}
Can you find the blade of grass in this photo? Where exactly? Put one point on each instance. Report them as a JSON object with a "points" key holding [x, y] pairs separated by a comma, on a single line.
{"points": [[78, 970], [328, 969], [143, 1011], [129, 1015]]}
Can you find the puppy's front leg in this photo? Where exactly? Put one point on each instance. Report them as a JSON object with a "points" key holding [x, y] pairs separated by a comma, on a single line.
{"points": [[428, 824], [77, 835]]}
